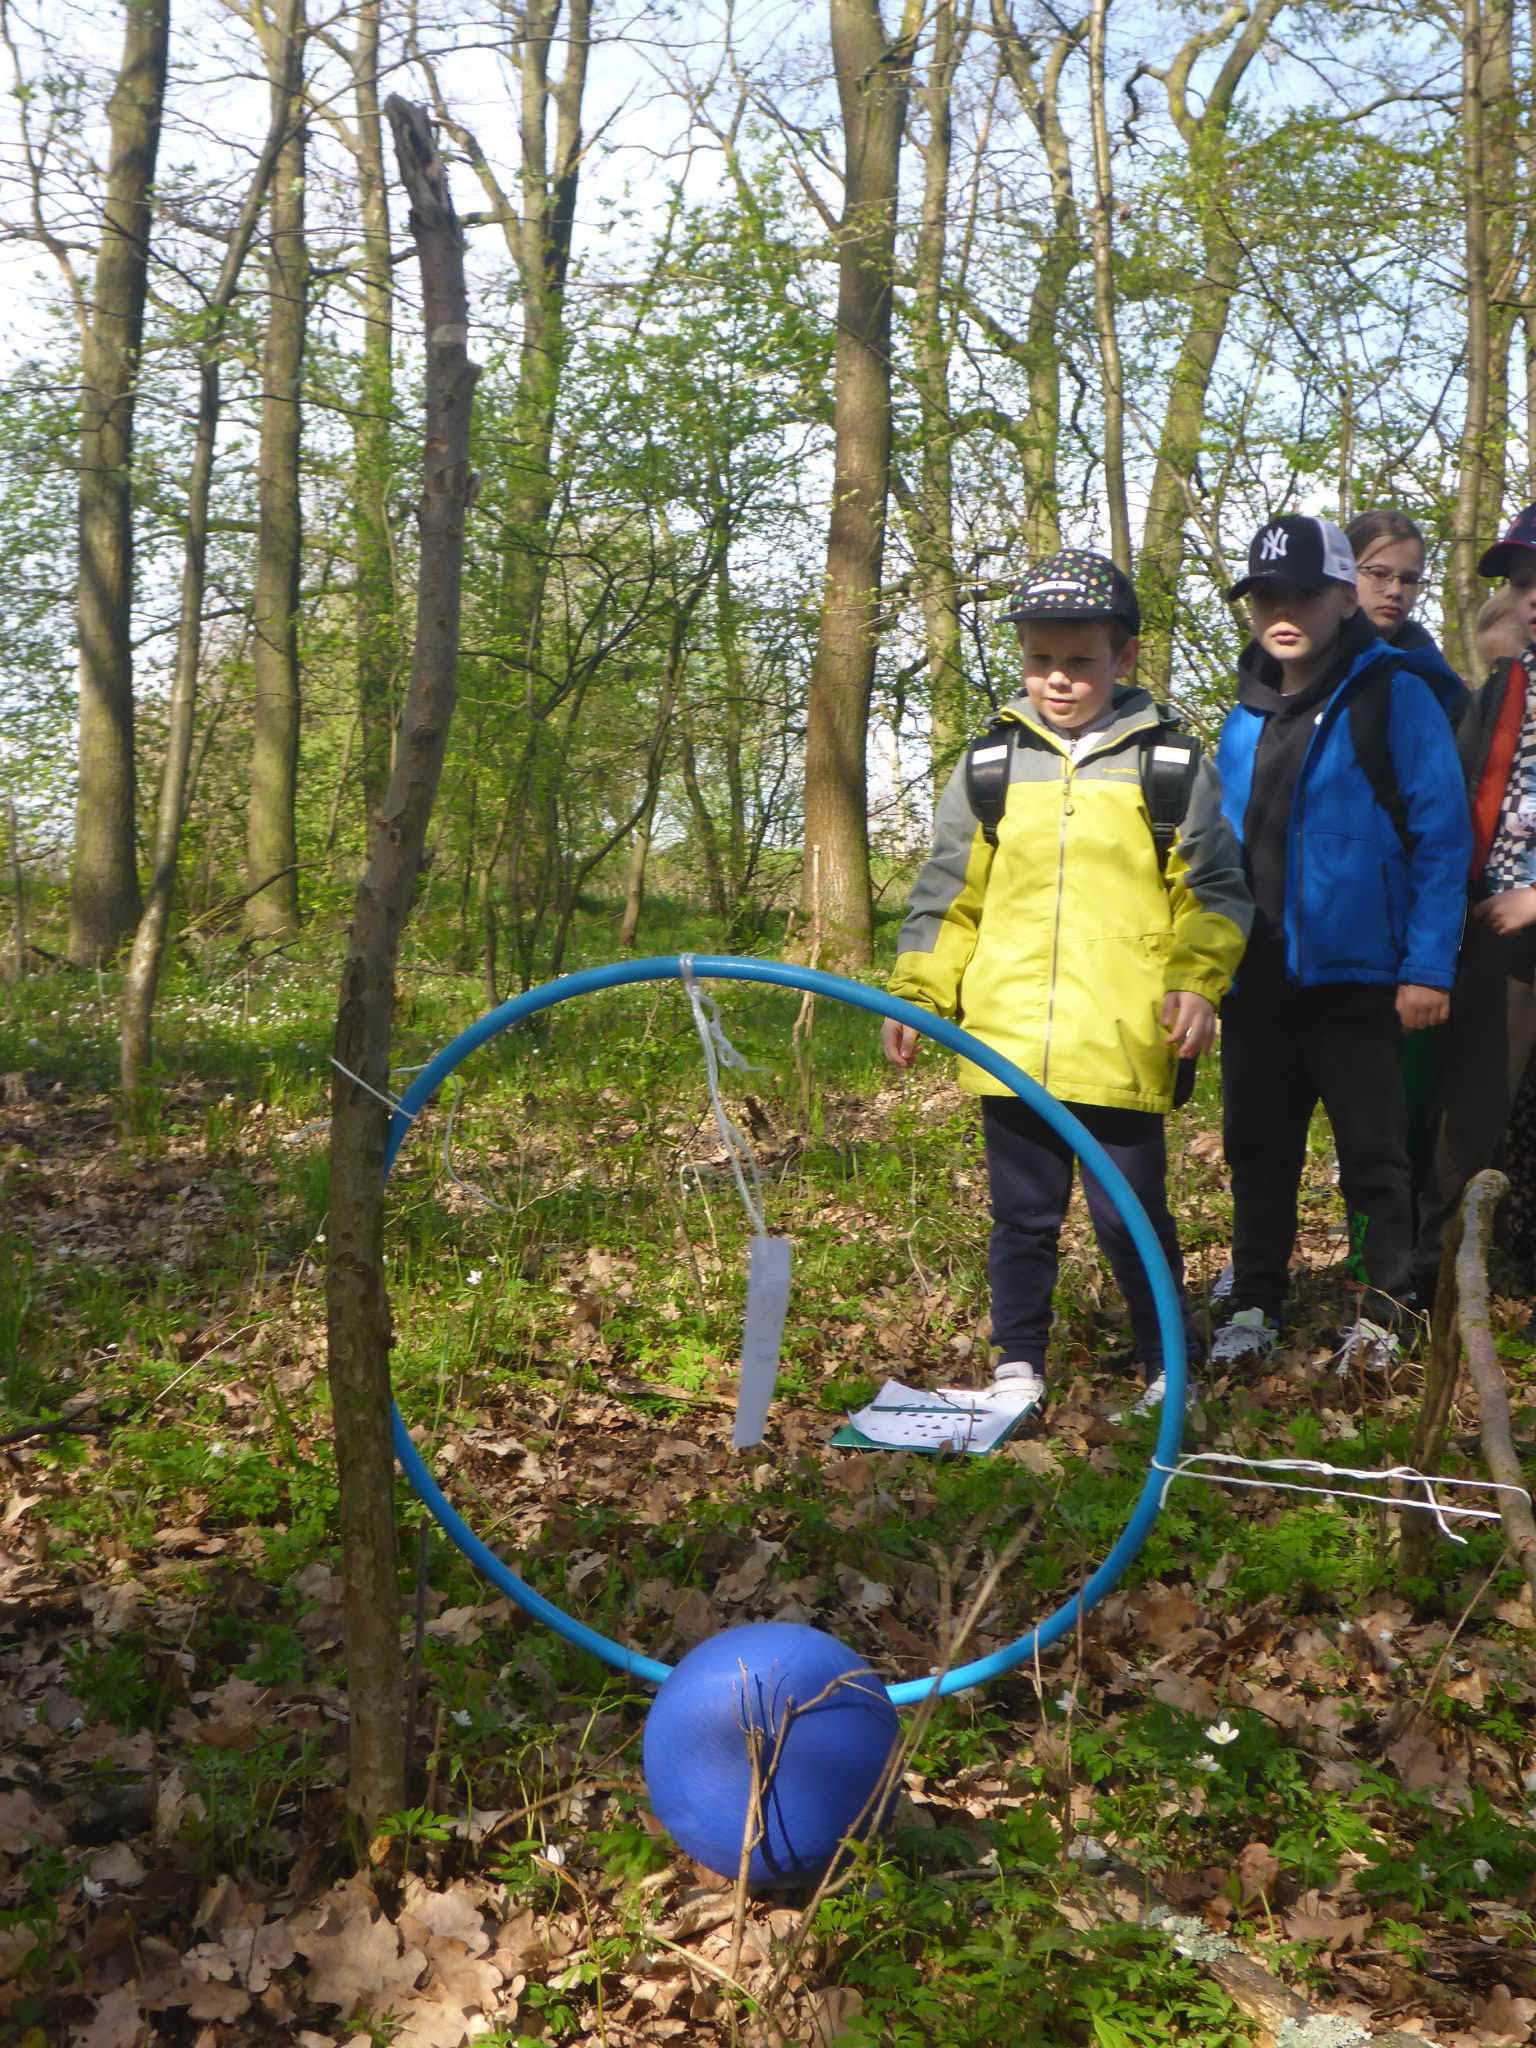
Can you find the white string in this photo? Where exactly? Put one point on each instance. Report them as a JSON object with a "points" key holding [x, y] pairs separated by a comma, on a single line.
{"points": [[717, 1049], [378, 1095], [469, 1187], [1191, 1466]]}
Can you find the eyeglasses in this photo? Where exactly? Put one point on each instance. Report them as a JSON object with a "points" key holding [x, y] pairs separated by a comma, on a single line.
{"points": [[1383, 579]]}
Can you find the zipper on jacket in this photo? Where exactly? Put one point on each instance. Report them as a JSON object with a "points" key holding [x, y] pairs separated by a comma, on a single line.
{"points": [[1061, 868]]}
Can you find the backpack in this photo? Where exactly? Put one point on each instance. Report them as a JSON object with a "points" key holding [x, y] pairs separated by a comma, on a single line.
{"points": [[1168, 759], [1370, 708]]}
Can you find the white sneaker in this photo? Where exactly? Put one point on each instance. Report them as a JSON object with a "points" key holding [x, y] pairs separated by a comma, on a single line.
{"points": [[1246, 1338], [1151, 1399], [1025, 1382]]}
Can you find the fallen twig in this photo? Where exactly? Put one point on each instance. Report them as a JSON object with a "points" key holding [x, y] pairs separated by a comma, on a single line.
{"points": [[63, 1425], [1483, 1197]]}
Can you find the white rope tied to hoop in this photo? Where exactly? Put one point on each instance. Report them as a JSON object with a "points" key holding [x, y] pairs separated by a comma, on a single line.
{"points": [[1194, 1464], [718, 1052], [378, 1094], [762, 1332]]}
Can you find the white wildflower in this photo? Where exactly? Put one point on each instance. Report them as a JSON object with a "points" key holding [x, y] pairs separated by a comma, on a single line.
{"points": [[473, 1277], [1205, 1761], [1482, 1869], [1221, 1733]]}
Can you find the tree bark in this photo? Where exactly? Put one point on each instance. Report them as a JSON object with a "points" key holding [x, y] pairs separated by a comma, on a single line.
{"points": [[873, 79], [141, 977], [655, 760], [376, 627], [357, 1306], [1484, 1193], [104, 884], [1211, 293], [538, 232], [1488, 154], [932, 527], [1038, 439], [18, 962], [271, 829], [1105, 328]]}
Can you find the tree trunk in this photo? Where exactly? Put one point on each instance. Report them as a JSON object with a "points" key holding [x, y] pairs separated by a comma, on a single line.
{"points": [[1487, 131], [18, 963], [932, 528], [141, 977], [374, 612], [1211, 293], [655, 760], [104, 883], [873, 77], [271, 830], [538, 232], [1105, 328], [357, 1306], [1039, 436]]}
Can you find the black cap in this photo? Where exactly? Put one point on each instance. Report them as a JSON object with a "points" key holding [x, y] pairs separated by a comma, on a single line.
{"points": [[1075, 584], [1300, 549], [1519, 541]]}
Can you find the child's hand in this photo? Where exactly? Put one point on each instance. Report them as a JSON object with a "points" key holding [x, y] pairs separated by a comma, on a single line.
{"points": [[1419, 1009], [1508, 910], [899, 1042], [1189, 1023]]}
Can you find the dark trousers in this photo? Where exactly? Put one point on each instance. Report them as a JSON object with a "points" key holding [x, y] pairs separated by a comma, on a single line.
{"points": [[1488, 1044], [1284, 1049], [1029, 1173]]}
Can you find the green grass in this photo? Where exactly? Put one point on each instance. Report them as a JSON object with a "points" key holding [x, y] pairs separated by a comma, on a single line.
{"points": [[175, 1273]]}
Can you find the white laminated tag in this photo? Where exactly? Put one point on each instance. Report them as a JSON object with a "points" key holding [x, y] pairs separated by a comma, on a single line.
{"points": [[762, 1333]]}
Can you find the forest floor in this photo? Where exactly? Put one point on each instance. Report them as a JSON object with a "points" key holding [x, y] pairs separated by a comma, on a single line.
{"points": [[1273, 1742]]}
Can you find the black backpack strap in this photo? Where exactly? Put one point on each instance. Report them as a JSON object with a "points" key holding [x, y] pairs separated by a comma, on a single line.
{"points": [[1169, 761], [1370, 712], [988, 764]]}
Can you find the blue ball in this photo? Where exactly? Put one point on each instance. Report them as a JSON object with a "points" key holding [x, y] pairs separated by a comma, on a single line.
{"points": [[698, 1766]]}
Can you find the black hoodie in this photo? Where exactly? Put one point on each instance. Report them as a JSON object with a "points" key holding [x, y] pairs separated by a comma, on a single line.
{"points": [[1282, 747]]}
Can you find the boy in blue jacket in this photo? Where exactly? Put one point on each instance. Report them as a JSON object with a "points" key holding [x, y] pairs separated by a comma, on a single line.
{"points": [[1339, 775]]}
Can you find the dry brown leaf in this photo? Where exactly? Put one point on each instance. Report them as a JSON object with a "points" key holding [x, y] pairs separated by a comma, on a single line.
{"points": [[694, 1617], [117, 2022], [1519, 1612], [865, 1596], [117, 1866], [455, 1912], [1417, 1760], [23, 1821], [1257, 1868], [425, 2021], [1501, 2017], [460, 1975], [525, 1943], [830, 2013], [354, 1957], [1186, 1693], [1327, 1927], [1164, 1617]]}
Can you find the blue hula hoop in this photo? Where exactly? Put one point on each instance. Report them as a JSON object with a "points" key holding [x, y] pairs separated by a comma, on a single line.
{"points": [[808, 980]]}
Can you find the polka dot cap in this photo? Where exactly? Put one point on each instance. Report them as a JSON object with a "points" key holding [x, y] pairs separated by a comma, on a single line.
{"points": [[1075, 584]]}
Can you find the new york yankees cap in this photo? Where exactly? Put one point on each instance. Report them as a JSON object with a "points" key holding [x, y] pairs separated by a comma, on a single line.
{"points": [[1298, 549], [1520, 541], [1075, 584]]}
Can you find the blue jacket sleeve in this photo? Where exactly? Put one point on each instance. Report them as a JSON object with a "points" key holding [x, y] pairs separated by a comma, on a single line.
{"points": [[1429, 776]]}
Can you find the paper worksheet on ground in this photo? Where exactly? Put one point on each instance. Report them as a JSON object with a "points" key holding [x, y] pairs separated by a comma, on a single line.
{"points": [[974, 1420]]}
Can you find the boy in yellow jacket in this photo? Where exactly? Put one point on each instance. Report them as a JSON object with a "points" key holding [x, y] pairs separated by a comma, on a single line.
{"points": [[1072, 950]]}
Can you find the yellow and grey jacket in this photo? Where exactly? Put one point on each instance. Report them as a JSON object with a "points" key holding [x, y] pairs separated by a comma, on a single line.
{"points": [[1057, 947]]}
